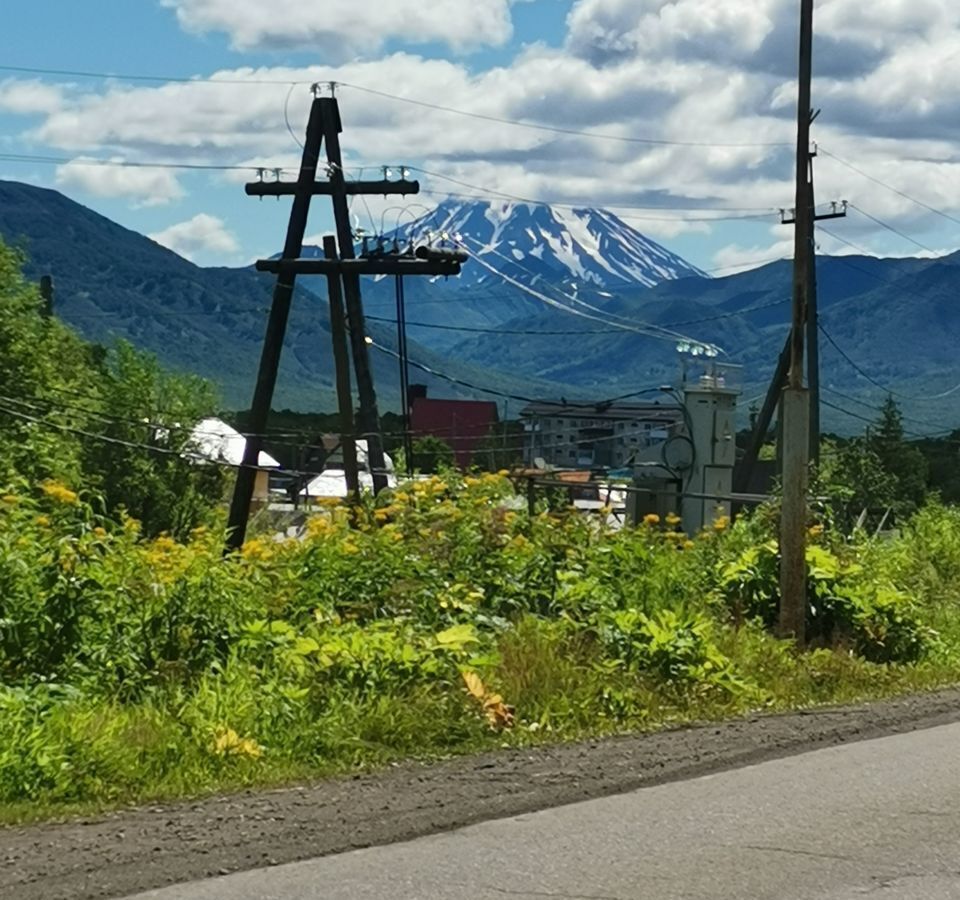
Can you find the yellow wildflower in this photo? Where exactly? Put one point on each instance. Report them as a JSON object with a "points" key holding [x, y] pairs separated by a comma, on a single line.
{"points": [[651, 519], [349, 547], [100, 532], [815, 530], [42, 521], [10, 499], [721, 523], [227, 742], [672, 519], [59, 492], [688, 545]]}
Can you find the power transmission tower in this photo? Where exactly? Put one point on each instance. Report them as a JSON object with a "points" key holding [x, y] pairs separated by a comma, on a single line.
{"points": [[323, 129]]}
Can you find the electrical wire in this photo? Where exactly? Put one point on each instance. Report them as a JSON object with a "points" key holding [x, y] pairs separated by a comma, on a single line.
{"points": [[126, 76], [488, 192], [596, 313], [893, 230], [889, 187], [625, 139], [572, 333], [160, 79], [875, 383], [131, 164]]}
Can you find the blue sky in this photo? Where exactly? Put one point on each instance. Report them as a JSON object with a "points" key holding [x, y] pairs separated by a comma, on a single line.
{"points": [[716, 73]]}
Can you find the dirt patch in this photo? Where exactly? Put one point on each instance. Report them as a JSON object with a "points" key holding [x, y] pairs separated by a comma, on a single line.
{"points": [[152, 847]]}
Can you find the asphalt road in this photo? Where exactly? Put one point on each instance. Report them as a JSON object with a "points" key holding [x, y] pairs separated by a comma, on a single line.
{"points": [[878, 818]]}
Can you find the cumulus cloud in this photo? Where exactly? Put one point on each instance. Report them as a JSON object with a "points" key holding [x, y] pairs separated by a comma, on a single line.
{"points": [[24, 96], [695, 101], [344, 27], [146, 187], [204, 236]]}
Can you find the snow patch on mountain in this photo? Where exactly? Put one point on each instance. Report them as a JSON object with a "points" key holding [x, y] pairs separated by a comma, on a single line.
{"points": [[532, 243]]}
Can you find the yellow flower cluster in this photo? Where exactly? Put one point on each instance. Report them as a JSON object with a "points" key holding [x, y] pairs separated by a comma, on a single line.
{"points": [[226, 742], [10, 499], [60, 493]]}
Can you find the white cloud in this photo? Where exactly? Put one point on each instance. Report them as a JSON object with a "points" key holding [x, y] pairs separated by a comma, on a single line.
{"points": [[344, 27], [734, 258], [203, 236], [146, 187], [29, 96], [720, 73]]}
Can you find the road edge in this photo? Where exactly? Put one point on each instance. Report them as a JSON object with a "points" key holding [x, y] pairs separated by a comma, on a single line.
{"points": [[140, 849]]}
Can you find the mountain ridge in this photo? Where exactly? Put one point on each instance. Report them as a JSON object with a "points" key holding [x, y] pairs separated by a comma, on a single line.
{"points": [[896, 322]]}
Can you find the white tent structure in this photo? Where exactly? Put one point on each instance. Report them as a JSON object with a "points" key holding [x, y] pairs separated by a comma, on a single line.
{"points": [[213, 440], [332, 482]]}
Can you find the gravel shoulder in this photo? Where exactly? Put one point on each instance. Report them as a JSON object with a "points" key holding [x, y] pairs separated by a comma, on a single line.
{"points": [[136, 850]]}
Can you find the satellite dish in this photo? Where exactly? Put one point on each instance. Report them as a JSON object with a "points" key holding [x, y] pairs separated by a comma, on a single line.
{"points": [[540, 463]]}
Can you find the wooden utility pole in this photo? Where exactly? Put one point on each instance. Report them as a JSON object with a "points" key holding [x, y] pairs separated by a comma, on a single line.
{"points": [[323, 127], [341, 361], [404, 374], [838, 211], [795, 403], [369, 414], [273, 341]]}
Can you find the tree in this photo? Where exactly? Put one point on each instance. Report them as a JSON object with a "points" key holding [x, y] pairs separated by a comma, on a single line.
{"points": [[903, 461], [430, 454], [149, 415], [110, 421]]}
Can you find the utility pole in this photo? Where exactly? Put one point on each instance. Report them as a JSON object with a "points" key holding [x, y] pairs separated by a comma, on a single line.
{"points": [[341, 361], [273, 341], [795, 402], [369, 414], [404, 374], [837, 211], [323, 127]]}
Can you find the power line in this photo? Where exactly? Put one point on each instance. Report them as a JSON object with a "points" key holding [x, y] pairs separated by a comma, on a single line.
{"points": [[555, 129], [878, 409], [889, 187], [573, 332], [626, 139], [882, 387], [915, 434], [893, 230], [489, 192], [126, 76], [655, 331], [131, 164]]}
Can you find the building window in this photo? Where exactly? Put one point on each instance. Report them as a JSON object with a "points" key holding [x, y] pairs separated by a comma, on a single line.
{"points": [[573, 454]]}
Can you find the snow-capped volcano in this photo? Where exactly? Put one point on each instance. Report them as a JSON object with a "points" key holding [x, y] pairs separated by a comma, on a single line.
{"points": [[558, 245]]}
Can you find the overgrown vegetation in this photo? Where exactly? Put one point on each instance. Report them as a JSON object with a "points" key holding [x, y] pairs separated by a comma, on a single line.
{"points": [[60, 394], [137, 662]]}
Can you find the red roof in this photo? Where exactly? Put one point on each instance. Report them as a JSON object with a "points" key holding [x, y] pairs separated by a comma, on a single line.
{"points": [[462, 424]]}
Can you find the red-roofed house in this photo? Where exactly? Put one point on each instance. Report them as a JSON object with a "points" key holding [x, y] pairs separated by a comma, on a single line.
{"points": [[462, 424]]}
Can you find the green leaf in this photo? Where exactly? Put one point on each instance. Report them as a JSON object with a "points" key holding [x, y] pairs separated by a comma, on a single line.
{"points": [[457, 636]]}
